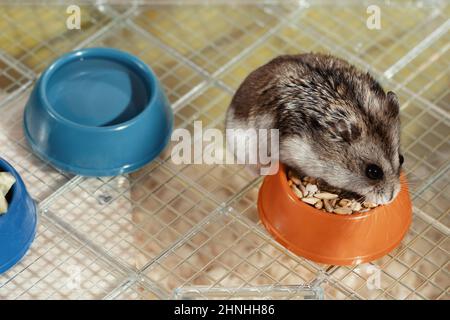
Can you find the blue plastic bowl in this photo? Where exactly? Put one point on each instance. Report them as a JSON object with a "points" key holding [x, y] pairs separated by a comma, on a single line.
{"points": [[98, 112], [18, 225]]}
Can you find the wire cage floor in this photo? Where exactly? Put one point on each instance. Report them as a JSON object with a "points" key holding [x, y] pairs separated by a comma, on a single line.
{"points": [[192, 231]]}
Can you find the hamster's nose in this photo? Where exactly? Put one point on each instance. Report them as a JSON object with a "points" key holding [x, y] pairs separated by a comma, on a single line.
{"points": [[388, 197], [392, 196]]}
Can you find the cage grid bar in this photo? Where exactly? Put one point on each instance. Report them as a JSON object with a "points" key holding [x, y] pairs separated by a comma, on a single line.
{"points": [[401, 63]]}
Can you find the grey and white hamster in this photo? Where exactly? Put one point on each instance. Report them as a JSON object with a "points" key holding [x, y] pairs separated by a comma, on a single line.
{"points": [[335, 122]]}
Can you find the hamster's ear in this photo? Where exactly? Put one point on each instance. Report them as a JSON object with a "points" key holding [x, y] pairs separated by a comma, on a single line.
{"points": [[347, 131], [393, 105]]}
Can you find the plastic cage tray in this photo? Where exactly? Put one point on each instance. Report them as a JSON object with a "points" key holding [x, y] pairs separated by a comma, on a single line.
{"points": [[192, 231]]}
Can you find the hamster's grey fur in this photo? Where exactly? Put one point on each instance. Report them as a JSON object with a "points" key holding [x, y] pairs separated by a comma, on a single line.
{"points": [[333, 119]]}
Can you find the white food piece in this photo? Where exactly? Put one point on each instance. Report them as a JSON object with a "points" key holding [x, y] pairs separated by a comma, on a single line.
{"points": [[311, 189], [310, 200], [3, 204], [369, 205], [294, 178], [356, 206], [342, 210], [333, 202], [302, 189], [325, 195], [327, 205], [7, 180], [297, 191], [319, 205], [345, 203]]}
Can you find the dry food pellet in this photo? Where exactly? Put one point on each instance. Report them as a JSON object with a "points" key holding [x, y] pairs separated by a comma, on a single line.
{"points": [[327, 205], [356, 206], [319, 205], [3, 204], [345, 202], [325, 195], [7, 180], [302, 188], [310, 200], [343, 210], [307, 190], [311, 189], [297, 191], [369, 205], [296, 180]]}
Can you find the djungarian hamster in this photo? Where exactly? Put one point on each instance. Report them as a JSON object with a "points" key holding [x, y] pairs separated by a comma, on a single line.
{"points": [[335, 122]]}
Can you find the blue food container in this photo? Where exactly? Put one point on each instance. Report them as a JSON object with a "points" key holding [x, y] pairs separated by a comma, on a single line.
{"points": [[18, 225], [98, 112]]}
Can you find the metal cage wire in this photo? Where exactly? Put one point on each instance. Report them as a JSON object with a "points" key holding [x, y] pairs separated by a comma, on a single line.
{"points": [[170, 231]]}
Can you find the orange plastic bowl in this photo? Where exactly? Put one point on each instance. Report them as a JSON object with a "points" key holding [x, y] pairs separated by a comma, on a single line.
{"points": [[329, 238]]}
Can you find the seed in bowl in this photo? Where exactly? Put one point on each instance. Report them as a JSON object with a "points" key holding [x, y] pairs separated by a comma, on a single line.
{"points": [[308, 191], [7, 180]]}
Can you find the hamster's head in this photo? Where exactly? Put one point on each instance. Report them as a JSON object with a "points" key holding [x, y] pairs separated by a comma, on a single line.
{"points": [[354, 145]]}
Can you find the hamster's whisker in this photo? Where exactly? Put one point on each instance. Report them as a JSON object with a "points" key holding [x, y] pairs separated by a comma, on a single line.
{"points": [[411, 184], [361, 198]]}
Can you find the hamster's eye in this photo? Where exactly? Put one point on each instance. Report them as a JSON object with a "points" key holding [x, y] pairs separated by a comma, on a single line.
{"points": [[374, 172], [401, 159]]}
